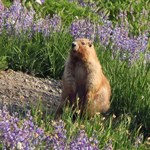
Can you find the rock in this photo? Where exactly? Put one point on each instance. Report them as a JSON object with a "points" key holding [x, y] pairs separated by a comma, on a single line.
{"points": [[22, 90]]}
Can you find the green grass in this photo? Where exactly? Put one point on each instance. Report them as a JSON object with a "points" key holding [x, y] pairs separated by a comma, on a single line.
{"points": [[37, 56], [116, 130], [138, 14], [130, 88], [133, 8]]}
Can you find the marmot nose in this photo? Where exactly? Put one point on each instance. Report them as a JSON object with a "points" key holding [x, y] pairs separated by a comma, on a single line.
{"points": [[73, 44]]}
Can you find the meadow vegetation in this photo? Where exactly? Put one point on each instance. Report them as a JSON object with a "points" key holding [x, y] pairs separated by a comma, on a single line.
{"points": [[36, 38]]}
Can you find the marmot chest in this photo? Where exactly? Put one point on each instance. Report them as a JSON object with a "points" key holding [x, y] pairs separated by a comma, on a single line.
{"points": [[80, 74]]}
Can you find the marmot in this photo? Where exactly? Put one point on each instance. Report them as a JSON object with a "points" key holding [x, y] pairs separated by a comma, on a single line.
{"points": [[83, 78]]}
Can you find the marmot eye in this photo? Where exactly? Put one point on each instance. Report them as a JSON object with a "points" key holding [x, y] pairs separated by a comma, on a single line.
{"points": [[90, 44], [83, 43]]}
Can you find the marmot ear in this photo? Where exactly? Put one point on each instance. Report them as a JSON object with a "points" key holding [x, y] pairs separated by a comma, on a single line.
{"points": [[90, 43]]}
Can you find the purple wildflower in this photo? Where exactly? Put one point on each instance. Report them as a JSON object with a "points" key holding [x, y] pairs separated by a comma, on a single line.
{"points": [[25, 135], [18, 20], [104, 32], [59, 136], [129, 48], [1, 6], [82, 28], [48, 25], [82, 142], [86, 28], [15, 133]]}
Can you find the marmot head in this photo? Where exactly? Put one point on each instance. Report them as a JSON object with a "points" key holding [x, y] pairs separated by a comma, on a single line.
{"points": [[82, 49]]}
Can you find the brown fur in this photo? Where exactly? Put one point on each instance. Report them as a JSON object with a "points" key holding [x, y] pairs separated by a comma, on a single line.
{"points": [[83, 78]]}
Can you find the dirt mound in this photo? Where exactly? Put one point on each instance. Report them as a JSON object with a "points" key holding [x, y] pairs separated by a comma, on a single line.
{"points": [[18, 89]]}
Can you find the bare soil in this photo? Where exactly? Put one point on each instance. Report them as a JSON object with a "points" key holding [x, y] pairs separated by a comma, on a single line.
{"points": [[19, 90]]}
